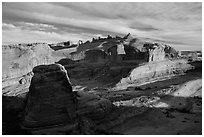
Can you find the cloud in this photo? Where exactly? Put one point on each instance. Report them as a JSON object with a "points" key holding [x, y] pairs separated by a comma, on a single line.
{"points": [[28, 26], [179, 23], [9, 26], [20, 34], [35, 26]]}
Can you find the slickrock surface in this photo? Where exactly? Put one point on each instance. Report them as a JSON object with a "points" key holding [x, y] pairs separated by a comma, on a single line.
{"points": [[50, 99], [154, 71], [190, 89], [18, 60]]}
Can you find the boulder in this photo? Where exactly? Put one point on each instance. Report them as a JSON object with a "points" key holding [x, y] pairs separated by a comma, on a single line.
{"points": [[50, 100]]}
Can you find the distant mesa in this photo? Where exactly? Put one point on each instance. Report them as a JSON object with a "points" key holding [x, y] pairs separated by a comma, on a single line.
{"points": [[118, 49]]}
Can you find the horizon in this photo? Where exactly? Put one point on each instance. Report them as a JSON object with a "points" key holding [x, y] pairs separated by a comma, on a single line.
{"points": [[180, 27]]}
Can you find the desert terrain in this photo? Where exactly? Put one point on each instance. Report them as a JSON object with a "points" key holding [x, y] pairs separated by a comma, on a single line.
{"points": [[107, 86]]}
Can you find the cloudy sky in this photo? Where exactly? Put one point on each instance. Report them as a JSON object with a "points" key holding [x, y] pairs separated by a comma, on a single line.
{"points": [[179, 24]]}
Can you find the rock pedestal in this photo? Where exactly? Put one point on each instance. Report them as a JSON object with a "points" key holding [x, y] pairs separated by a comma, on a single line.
{"points": [[50, 99]]}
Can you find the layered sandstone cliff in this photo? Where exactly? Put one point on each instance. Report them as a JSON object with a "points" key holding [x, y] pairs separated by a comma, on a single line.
{"points": [[154, 71], [18, 60]]}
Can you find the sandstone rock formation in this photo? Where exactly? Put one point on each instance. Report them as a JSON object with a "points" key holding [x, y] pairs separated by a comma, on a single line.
{"points": [[127, 39], [157, 54], [116, 80], [18, 60], [80, 42], [154, 71], [62, 45], [52, 106], [50, 100], [170, 52], [182, 96], [190, 89], [95, 55], [65, 61], [127, 48], [92, 106]]}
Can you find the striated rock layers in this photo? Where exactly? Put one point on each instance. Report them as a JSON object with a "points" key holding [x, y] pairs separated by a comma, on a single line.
{"points": [[154, 71], [190, 89], [53, 107], [50, 100], [18, 60]]}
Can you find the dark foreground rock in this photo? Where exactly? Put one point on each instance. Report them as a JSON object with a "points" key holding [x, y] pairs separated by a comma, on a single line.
{"points": [[53, 108], [92, 106], [50, 99]]}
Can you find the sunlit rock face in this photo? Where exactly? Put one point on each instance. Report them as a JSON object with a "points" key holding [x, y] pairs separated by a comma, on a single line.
{"points": [[154, 71], [139, 49], [119, 49], [159, 51], [190, 89], [18, 60], [50, 99], [157, 54]]}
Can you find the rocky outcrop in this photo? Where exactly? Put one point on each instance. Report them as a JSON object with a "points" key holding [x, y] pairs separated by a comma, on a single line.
{"points": [[154, 71], [170, 52], [190, 89], [96, 55], [157, 54], [92, 106], [139, 49], [50, 100], [127, 39], [18, 60], [53, 107], [65, 61], [126, 48], [62, 45], [80, 42], [183, 97], [77, 56]]}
